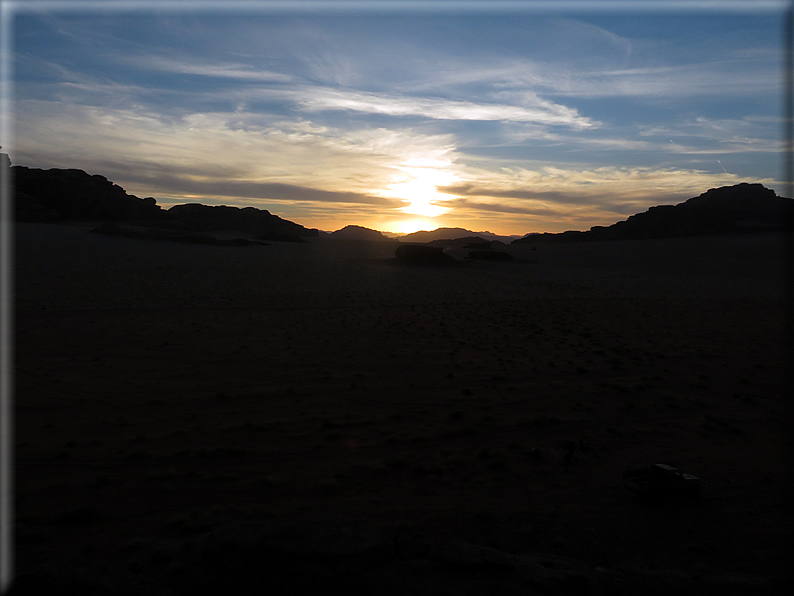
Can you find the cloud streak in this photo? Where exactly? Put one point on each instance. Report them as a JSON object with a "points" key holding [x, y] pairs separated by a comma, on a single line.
{"points": [[315, 99]]}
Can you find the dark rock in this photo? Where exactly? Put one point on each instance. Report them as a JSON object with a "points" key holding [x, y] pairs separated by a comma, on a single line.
{"points": [[474, 242], [63, 195], [739, 209], [59, 195], [422, 253], [206, 218]]}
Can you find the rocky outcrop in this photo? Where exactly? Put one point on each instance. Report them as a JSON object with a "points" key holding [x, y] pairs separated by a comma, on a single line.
{"points": [[439, 234], [74, 195], [739, 209], [422, 254], [60, 195], [206, 218]]}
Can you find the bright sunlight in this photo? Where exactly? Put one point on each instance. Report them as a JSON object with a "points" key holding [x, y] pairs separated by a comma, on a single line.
{"points": [[418, 184]]}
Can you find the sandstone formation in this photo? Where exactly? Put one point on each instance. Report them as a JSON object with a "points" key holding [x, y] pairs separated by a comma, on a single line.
{"points": [[247, 219], [69, 194], [422, 253], [739, 209], [62, 195]]}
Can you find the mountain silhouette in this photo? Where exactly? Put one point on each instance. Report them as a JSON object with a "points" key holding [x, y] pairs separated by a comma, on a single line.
{"points": [[208, 218], [359, 233], [739, 209], [450, 234], [60, 195]]}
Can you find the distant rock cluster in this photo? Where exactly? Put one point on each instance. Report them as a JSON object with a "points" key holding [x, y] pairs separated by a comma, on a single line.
{"points": [[739, 209]]}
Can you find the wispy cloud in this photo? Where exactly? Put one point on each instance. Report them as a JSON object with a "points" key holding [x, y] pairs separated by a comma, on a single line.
{"points": [[228, 153], [601, 193], [225, 70], [541, 111]]}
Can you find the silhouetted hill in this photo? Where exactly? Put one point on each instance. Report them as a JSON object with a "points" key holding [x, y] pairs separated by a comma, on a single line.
{"points": [[207, 218], [450, 234], [62, 195], [59, 195], [467, 242], [739, 209], [358, 233]]}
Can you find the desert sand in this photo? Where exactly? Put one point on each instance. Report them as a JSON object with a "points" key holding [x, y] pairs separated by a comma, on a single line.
{"points": [[164, 391]]}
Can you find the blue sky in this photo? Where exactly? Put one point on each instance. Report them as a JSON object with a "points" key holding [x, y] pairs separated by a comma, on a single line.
{"points": [[508, 121]]}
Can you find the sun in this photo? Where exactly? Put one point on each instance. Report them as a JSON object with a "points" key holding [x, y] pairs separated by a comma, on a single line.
{"points": [[418, 184]]}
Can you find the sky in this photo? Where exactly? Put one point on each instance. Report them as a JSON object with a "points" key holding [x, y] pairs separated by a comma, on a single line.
{"points": [[539, 119]]}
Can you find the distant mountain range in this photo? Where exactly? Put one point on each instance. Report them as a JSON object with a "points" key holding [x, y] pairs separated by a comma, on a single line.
{"points": [[59, 195], [453, 234], [359, 233]]}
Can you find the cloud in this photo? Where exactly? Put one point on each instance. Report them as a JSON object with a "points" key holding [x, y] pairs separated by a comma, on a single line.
{"points": [[537, 110], [467, 205], [215, 69], [269, 191], [233, 154], [601, 189], [702, 135]]}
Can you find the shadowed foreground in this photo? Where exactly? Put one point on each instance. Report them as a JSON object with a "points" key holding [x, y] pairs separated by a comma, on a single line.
{"points": [[317, 416]]}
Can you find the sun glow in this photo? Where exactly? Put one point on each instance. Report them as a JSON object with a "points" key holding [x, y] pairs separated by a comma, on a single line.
{"points": [[409, 226], [418, 183]]}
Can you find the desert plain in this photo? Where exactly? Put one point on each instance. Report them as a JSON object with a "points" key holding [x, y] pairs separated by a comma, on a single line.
{"points": [[165, 391]]}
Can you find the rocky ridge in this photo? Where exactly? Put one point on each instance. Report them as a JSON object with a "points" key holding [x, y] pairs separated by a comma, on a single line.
{"points": [[739, 209], [64, 195]]}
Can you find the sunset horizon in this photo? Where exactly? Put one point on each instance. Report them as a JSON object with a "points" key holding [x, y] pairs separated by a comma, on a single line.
{"points": [[574, 382], [541, 120]]}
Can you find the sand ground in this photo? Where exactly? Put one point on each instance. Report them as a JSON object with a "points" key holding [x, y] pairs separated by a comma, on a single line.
{"points": [[163, 390]]}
